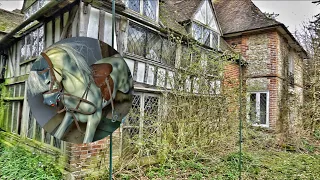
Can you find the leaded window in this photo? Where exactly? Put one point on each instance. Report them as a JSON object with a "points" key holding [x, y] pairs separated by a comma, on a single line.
{"points": [[32, 44], [154, 47], [150, 8], [36, 6], [205, 35], [131, 126], [141, 125], [168, 54], [134, 5], [148, 44], [136, 40], [190, 56], [147, 8]]}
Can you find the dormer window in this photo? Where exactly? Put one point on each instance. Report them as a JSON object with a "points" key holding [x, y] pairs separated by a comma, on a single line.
{"points": [[204, 27], [148, 8]]}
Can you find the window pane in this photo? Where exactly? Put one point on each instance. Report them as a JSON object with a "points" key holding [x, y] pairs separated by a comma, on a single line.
{"points": [[10, 104], [134, 5], [131, 125], [41, 39], [15, 116], [150, 127], [215, 40], [197, 32], [252, 112], [29, 43], [263, 108], [150, 109], [185, 59], [34, 46], [206, 36], [23, 49], [136, 39], [16, 90], [149, 8], [134, 117], [168, 52], [154, 42]]}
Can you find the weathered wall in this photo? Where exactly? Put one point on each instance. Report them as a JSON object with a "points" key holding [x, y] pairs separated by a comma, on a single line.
{"points": [[292, 95], [260, 51], [267, 55]]}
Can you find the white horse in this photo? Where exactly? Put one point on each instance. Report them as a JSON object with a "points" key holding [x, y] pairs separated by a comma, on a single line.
{"points": [[61, 74]]}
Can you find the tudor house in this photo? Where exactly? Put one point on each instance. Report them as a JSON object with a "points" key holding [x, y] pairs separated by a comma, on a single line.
{"points": [[141, 38]]}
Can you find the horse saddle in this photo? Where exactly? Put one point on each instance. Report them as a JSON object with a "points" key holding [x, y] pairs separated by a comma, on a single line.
{"points": [[101, 76]]}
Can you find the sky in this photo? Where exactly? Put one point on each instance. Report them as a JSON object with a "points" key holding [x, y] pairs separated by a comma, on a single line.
{"points": [[291, 13], [11, 4]]}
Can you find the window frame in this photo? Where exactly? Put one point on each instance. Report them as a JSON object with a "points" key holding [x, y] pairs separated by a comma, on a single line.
{"points": [[141, 10], [267, 125], [141, 125], [203, 27], [147, 31]]}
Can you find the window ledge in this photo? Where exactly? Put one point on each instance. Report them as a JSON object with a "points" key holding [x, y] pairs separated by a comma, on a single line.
{"points": [[13, 98], [261, 125], [146, 60], [137, 15]]}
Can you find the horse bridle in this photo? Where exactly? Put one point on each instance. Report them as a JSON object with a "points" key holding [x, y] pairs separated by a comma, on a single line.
{"points": [[59, 90]]}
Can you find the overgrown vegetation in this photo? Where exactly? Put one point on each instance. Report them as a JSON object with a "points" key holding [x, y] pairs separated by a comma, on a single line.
{"points": [[19, 163], [197, 135], [256, 165], [309, 37]]}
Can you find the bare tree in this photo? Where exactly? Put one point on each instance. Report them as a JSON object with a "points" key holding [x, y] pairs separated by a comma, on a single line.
{"points": [[309, 37]]}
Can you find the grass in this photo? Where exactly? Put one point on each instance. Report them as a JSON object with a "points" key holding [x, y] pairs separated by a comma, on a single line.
{"points": [[262, 158], [18, 163], [256, 165]]}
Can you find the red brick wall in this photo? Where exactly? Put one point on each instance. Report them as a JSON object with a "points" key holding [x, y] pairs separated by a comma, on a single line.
{"points": [[91, 159], [231, 74], [240, 44]]}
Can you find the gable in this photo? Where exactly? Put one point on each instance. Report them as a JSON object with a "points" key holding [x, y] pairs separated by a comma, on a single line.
{"points": [[205, 15]]}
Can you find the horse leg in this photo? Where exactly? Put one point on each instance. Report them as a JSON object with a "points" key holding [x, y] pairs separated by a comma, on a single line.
{"points": [[92, 124], [67, 120]]}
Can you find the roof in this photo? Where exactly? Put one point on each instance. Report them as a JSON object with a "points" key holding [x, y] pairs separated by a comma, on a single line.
{"points": [[241, 15], [9, 20], [174, 12], [183, 10], [237, 16]]}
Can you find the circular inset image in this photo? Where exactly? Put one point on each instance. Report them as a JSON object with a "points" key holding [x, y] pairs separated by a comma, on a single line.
{"points": [[80, 89]]}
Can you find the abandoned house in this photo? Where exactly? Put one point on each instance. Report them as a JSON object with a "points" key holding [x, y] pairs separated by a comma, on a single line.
{"points": [[274, 76], [273, 56]]}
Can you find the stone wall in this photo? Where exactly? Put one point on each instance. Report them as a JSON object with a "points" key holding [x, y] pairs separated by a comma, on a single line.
{"points": [[267, 53], [260, 51], [294, 94]]}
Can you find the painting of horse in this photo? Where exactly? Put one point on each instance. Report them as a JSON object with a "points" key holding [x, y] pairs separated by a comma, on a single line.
{"points": [[67, 82]]}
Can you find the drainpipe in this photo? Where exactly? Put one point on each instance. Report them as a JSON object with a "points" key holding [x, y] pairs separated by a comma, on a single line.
{"points": [[4, 41]]}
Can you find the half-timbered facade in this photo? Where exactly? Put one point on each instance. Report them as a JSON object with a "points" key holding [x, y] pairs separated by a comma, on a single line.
{"points": [[141, 37]]}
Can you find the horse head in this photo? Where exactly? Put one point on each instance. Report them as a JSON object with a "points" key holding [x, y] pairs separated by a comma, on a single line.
{"points": [[52, 68]]}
